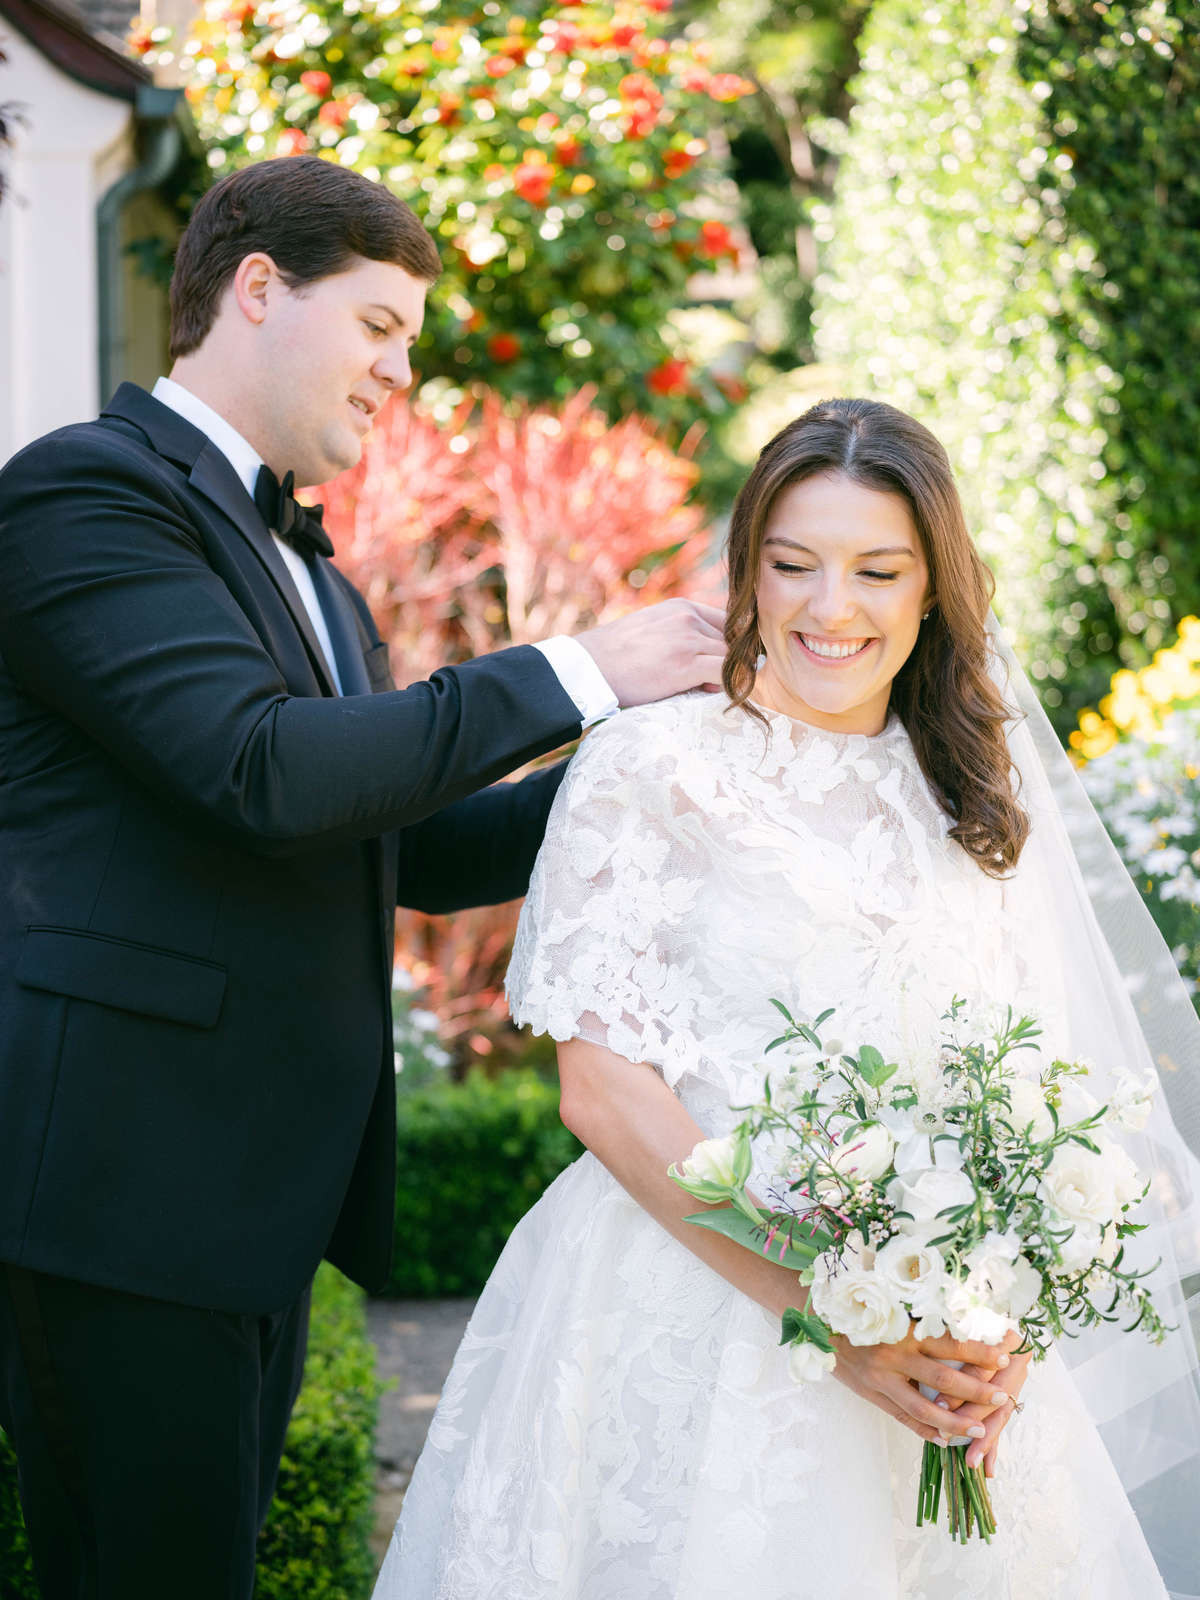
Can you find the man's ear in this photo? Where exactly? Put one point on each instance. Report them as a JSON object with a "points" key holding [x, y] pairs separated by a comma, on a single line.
{"points": [[253, 282]]}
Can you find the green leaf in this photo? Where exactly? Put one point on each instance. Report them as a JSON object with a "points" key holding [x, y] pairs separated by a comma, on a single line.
{"points": [[805, 1327], [797, 1252]]}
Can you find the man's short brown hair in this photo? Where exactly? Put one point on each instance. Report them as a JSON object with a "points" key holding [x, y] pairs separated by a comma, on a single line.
{"points": [[312, 217]]}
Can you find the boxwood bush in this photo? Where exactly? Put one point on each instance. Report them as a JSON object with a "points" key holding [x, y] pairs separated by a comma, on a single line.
{"points": [[314, 1545], [1012, 257], [472, 1158]]}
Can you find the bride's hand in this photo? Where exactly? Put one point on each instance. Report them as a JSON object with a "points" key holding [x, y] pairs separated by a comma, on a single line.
{"points": [[1012, 1380], [888, 1376]]}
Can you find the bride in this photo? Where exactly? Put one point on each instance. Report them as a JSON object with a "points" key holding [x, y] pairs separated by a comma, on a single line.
{"points": [[840, 828]]}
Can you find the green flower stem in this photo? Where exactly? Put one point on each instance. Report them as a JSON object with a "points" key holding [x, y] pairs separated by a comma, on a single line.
{"points": [[968, 1504]]}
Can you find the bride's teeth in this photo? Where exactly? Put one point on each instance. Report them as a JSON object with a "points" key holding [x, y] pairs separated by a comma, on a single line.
{"points": [[835, 652]]}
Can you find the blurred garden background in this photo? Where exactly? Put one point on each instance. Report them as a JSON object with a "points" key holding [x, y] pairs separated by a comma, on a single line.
{"points": [[667, 227]]}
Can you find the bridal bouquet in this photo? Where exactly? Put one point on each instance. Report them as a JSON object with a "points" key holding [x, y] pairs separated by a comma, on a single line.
{"points": [[975, 1194]]}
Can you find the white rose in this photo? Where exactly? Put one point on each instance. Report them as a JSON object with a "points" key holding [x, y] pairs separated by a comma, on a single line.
{"points": [[923, 1194], [1126, 1181], [1131, 1100], [1075, 1103], [807, 1364], [916, 1270], [1029, 1106], [970, 1315], [714, 1161], [865, 1154], [862, 1306], [1079, 1186]]}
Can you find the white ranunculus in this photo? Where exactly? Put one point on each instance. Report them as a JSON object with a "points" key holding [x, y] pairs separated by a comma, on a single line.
{"points": [[924, 1194], [1029, 1106], [807, 1364], [865, 1154], [713, 1161], [1131, 1100], [861, 1305], [1079, 1185]]}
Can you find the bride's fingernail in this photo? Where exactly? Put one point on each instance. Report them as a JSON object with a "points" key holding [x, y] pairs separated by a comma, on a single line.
{"points": [[999, 1396], [975, 1431], [1002, 1360], [945, 1404]]}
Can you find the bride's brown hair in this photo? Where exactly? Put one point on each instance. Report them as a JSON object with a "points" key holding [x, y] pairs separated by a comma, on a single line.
{"points": [[943, 694]]}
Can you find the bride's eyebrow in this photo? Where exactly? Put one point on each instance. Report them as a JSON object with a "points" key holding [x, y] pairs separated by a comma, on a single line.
{"points": [[863, 555]]}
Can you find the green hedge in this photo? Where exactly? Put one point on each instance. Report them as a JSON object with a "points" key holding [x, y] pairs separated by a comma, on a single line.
{"points": [[1012, 256], [314, 1545], [472, 1159]]}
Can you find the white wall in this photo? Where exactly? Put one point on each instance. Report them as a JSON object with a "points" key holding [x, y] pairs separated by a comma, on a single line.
{"points": [[75, 145]]}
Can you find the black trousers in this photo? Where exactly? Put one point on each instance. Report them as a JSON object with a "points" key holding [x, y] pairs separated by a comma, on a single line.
{"points": [[147, 1435]]}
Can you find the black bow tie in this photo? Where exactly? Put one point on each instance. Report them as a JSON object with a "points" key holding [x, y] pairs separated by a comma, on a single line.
{"points": [[299, 525]]}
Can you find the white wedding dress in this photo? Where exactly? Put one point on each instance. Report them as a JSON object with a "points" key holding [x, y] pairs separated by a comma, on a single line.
{"points": [[619, 1423]]}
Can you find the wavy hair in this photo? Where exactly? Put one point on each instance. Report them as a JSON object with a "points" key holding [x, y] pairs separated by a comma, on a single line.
{"points": [[953, 711]]}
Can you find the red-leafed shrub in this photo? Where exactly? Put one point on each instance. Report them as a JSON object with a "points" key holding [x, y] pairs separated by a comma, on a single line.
{"points": [[499, 527]]}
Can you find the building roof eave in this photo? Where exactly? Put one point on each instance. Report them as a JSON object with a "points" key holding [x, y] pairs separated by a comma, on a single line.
{"points": [[62, 36]]}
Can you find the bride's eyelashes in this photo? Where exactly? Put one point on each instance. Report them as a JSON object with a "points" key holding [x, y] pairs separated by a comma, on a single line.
{"points": [[790, 568]]}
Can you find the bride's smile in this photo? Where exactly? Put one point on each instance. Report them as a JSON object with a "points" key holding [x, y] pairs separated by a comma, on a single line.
{"points": [[843, 584]]}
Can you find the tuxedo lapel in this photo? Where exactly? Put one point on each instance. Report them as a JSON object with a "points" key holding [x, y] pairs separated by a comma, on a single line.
{"points": [[211, 474]]}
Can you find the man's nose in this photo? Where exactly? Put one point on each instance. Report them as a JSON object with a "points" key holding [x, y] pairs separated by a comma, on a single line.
{"points": [[394, 370]]}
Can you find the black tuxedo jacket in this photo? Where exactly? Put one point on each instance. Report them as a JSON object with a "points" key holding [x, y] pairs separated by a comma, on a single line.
{"points": [[201, 850]]}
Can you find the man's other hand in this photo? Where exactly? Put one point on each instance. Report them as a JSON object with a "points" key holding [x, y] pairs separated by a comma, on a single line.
{"points": [[659, 651]]}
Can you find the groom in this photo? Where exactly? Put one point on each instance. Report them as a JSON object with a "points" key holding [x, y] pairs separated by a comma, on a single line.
{"points": [[211, 799]]}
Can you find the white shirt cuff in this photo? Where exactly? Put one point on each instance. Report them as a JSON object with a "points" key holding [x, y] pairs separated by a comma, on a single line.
{"points": [[580, 677]]}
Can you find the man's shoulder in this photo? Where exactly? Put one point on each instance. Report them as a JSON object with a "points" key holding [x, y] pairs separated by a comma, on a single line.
{"points": [[79, 454]]}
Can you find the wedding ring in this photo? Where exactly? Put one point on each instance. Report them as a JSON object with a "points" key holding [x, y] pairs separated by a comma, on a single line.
{"points": [[1018, 1405]]}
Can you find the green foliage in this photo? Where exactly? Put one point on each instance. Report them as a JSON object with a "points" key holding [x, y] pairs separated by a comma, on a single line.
{"points": [[472, 1159], [314, 1543], [1012, 258], [557, 154]]}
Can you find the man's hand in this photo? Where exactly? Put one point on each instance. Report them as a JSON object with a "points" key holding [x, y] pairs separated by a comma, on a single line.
{"points": [[659, 651]]}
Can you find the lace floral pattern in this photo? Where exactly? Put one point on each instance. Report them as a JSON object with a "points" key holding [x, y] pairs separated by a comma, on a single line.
{"points": [[619, 1423]]}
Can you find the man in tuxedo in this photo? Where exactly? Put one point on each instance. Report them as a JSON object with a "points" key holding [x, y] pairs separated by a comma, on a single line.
{"points": [[211, 799]]}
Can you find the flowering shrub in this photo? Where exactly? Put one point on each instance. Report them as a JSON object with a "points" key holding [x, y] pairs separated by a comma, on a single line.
{"points": [[1140, 762], [474, 528], [557, 153], [1011, 256]]}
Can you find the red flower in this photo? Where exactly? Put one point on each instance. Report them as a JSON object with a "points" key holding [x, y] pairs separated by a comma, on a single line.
{"points": [[695, 79], [499, 66], [318, 83], [448, 109], [533, 179], [334, 113], [669, 378], [292, 142], [658, 5], [677, 162], [563, 38], [729, 86], [504, 347], [624, 33], [644, 101], [568, 151], [716, 241]]}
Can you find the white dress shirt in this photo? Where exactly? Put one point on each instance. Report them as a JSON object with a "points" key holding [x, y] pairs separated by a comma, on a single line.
{"points": [[574, 668]]}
